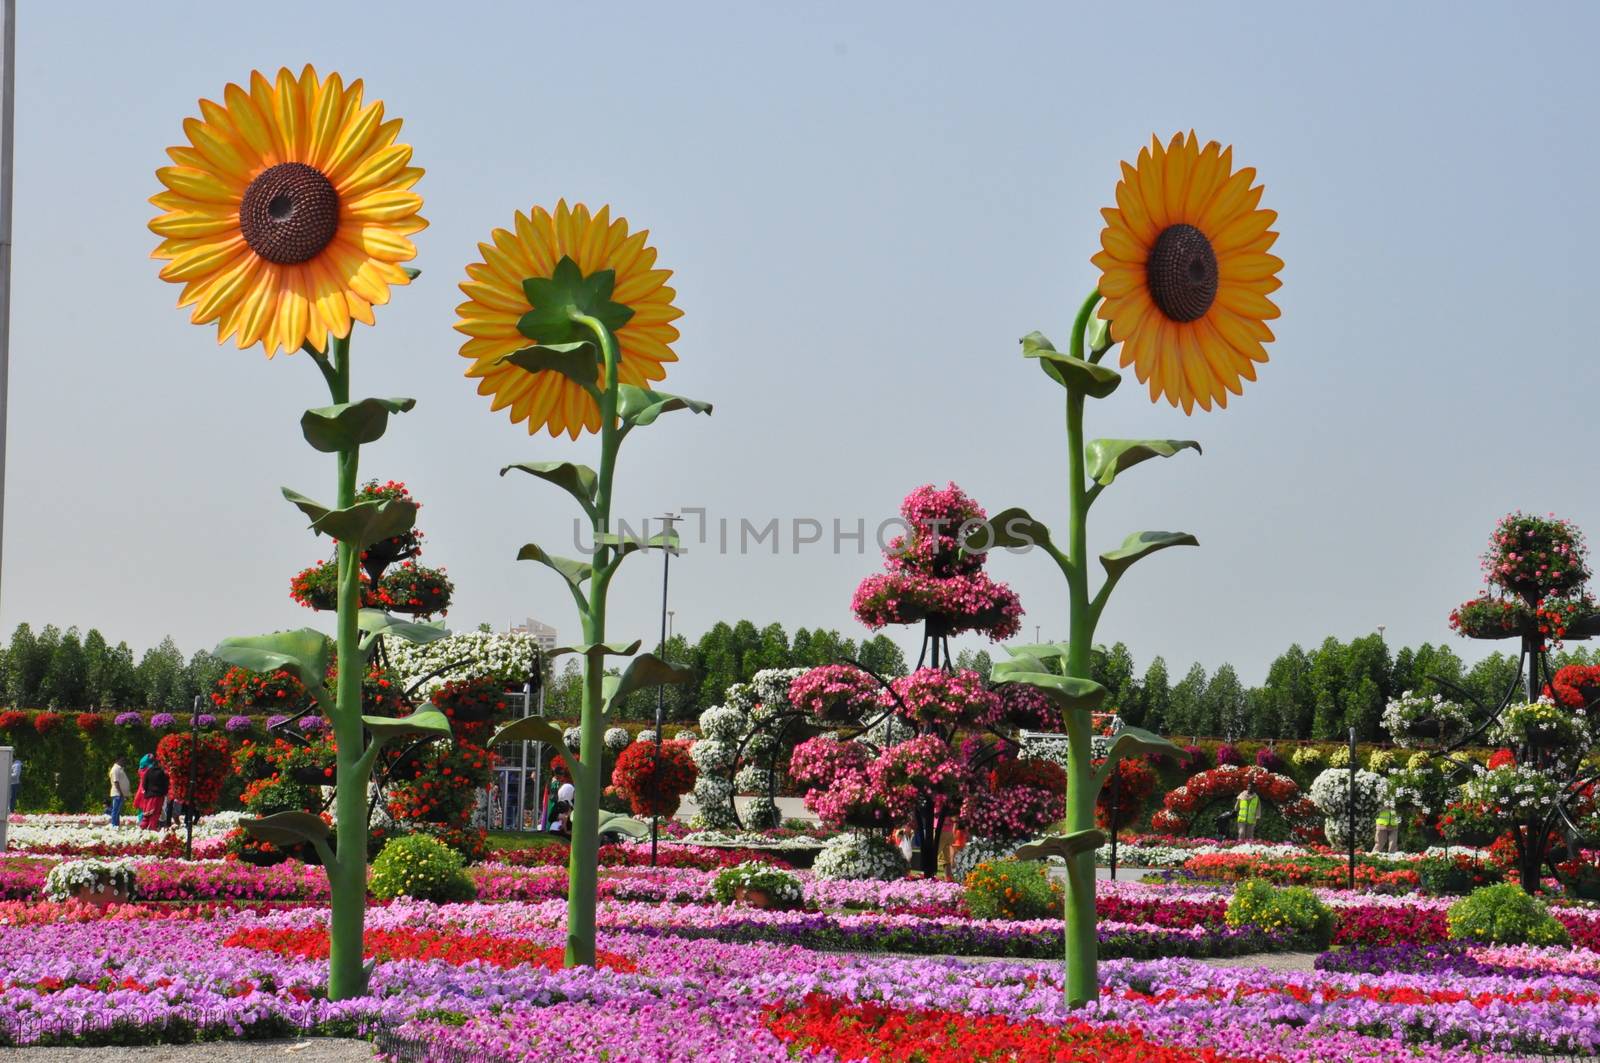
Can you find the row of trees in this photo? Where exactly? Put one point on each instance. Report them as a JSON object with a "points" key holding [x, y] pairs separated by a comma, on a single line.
{"points": [[66, 670]]}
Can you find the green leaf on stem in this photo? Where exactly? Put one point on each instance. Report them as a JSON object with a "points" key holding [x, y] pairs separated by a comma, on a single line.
{"points": [[600, 649], [331, 429], [1142, 544], [362, 524], [579, 481], [1070, 693], [578, 361], [428, 721], [641, 406], [615, 823], [287, 828], [1107, 457], [556, 298], [302, 652], [1131, 742], [1031, 658], [627, 544], [378, 622], [1074, 374], [644, 671], [1066, 846], [574, 572], [1010, 529], [529, 729]]}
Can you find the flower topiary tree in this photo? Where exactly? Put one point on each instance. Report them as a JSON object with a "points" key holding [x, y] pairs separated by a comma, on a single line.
{"points": [[744, 750], [390, 576]]}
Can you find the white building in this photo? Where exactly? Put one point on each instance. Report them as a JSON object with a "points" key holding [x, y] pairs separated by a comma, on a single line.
{"points": [[542, 632]]}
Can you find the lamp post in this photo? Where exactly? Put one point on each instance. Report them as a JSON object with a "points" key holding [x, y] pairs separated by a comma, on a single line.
{"points": [[1350, 812], [667, 550]]}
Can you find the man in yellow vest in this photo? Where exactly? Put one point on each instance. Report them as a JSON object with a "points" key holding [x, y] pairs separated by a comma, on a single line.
{"points": [[1248, 812], [1387, 838]]}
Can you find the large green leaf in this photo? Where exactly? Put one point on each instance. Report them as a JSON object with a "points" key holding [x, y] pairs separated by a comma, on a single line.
{"points": [[429, 721], [528, 729], [620, 824], [302, 652], [1142, 544], [644, 671], [556, 298], [378, 622], [1074, 374], [602, 649], [1010, 529], [1070, 693], [578, 361], [367, 522], [574, 572], [1107, 457], [334, 428], [642, 406], [1066, 846], [579, 481], [1131, 742], [287, 828], [1027, 659], [627, 544]]}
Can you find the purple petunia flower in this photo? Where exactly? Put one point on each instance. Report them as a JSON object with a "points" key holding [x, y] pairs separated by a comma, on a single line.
{"points": [[276, 720], [312, 723], [128, 719], [236, 724], [162, 720]]}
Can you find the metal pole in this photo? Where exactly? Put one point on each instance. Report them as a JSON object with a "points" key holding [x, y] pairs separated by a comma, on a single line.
{"points": [[522, 773], [538, 749], [661, 691], [1115, 813], [8, 95], [1350, 810], [194, 756]]}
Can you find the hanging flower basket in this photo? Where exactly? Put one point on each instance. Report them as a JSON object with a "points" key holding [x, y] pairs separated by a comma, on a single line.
{"points": [[311, 775]]}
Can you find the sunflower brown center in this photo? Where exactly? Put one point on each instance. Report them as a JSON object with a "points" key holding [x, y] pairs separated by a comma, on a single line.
{"points": [[1182, 273], [289, 213]]}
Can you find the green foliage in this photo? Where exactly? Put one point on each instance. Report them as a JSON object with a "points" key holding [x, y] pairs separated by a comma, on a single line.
{"points": [[1504, 915], [1294, 910], [1455, 876], [416, 865], [1012, 889]]}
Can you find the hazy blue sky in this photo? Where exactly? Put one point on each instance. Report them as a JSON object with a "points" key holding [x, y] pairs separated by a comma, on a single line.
{"points": [[865, 206]]}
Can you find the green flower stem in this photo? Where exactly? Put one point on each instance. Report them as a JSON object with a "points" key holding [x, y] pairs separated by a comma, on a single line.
{"points": [[1082, 942], [583, 858]]}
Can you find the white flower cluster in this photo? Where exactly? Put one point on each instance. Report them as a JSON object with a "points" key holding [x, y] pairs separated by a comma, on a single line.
{"points": [[617, 739], [70, 876], [860, 856], [781, 886], [56, 832], [749, 840], [1330, 792], [1515, 790], [730, 728], [1410, 717], [1042, 746], [511, 656]]}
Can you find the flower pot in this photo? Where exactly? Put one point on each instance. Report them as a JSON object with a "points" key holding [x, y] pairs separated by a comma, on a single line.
{"points": [[100, 895], [755, 898]]}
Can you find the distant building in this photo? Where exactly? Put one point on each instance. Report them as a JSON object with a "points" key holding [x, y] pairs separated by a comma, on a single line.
{"points": [[544, 633]]}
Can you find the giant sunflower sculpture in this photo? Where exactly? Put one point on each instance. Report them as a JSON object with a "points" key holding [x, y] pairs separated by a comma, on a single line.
{"points": [[287, 215], [1185, 272], [514, 300]]}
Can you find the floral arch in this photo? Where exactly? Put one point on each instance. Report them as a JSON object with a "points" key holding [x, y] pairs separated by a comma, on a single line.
{"points": [[1181, 805]]}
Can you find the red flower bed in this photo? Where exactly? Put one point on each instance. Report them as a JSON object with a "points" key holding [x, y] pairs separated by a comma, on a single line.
{"points": [[1178, 915], [1378, 926], [90, 722], [1235, 867], [420, 944], [13, 720], [871, 1031], [554, 854], [47, 723]]}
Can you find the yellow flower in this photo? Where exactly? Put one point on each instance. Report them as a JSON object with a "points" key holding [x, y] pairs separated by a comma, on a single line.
{"points": [[636, 305], [1185, 272], [286, 216]]}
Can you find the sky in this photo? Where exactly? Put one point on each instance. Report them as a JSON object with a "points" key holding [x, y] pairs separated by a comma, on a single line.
{"points": [[864, 206]]}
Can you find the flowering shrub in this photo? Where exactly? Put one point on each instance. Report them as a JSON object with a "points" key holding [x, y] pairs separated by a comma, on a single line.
{"points": [[413, 588], [1292, 910], [1535, 557], [1497, 799], [1023, 797], [1012, 889], [920, 769], [421, 867], [473, 705], [1504, 915], [11, 720], [859, 856], [1577, 686], [616, 739], [1131, 784], [88, 876], [935, 698], [123, 719], [654, 785], [240, 689], [445, 788], [163, 721], [90, 723], [1227, 754], [510, 657], [1194, 759], [782, 888], [1331, 793], [239, 724], [1267, 758], [207, 757]]}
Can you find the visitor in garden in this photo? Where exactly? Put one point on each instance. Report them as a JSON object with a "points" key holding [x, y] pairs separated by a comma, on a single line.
{"points": [[1387, 836], [14, 785], [156, 785], [121, 790], [141, 799], [564, 799], [1248, 812]]}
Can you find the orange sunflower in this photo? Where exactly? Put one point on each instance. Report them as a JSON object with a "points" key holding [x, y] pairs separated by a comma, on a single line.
{"points": [[1185, 272], [574, 250], [287, 215]]}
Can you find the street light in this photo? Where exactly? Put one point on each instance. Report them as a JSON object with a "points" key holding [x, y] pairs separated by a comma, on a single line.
{"points": [[1381, 629], [667, 550]]}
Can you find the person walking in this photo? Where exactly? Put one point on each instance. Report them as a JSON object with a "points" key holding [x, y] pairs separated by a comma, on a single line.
{"points": [[141, 802], [1386, 838], [14, 785], [121, 790], [156, 786], [1248, 812]]}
